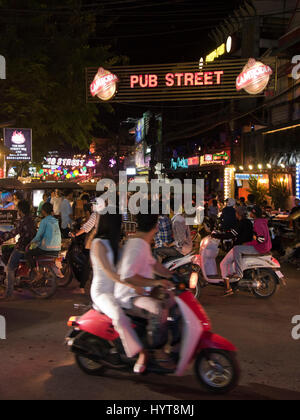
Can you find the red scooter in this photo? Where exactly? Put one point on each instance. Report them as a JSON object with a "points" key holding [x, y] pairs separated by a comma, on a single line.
{"points": [[97, 345]]}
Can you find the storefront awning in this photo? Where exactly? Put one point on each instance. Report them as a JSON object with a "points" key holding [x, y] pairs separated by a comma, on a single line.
{"points": [[286, 159]]}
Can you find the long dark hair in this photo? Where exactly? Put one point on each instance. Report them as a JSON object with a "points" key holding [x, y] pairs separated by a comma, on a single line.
{"points": [[110, 228]]}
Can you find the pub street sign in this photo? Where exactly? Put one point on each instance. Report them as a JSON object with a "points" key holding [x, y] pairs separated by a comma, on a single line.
{"points": [[222, 79]]}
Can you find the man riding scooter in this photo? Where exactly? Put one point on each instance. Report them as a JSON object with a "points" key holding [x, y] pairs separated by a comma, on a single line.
{"points": [[26, 230], [48, 237], [137, 268]]}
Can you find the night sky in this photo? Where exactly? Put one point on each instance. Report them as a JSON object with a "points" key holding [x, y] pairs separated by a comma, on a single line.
{"points": [[162, 31]]}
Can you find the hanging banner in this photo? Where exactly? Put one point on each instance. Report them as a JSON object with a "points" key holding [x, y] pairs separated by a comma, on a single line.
{"points": [[182, 81], [254, 77], [19, 141]]}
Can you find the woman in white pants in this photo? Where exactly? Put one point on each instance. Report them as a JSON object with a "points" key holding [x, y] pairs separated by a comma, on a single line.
{"points": [[104, 257]]}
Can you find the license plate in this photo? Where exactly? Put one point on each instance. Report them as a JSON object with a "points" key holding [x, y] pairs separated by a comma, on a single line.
{"points": [[279, 274]]}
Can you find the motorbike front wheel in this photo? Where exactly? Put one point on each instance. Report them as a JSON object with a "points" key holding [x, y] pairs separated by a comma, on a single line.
{"points": [[217, 370], [88, 366], [266, 284]]}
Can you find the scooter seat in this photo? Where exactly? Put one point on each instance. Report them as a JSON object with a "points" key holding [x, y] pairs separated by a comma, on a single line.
{"points": [[170, 259], [268, 254]]}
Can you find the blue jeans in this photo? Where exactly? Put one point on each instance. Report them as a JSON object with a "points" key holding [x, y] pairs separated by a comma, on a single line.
{"points": [[12, 265]]}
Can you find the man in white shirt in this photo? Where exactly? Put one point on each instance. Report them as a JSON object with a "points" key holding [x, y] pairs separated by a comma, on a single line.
{"points": [[137, 268], [56, 201], [66, 213]]}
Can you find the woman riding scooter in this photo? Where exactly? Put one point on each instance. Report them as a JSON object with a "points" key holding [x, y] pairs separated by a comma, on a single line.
{"points": [[104, 257], [243, 233], [262, 243]]}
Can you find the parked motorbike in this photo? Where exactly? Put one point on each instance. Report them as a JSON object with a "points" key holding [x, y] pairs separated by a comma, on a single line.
{"points": [[97, 345], [73, 262], [42, 281], [74, 259], [262, 274]]}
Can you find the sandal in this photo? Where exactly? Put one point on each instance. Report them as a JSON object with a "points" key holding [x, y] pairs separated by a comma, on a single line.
{"points": [[139, 369], [228, 292]]}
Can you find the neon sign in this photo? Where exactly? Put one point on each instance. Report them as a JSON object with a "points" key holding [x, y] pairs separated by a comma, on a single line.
{"points": [[104, 85], [220, 158], [254, 77], [298, 180], [170, 82], [206, 78], [216, 53], [179, 163], [194, 161], [64, 162]]}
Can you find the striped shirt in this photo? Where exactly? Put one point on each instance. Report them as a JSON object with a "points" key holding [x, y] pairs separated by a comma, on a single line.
{"points": [[90, 224]]}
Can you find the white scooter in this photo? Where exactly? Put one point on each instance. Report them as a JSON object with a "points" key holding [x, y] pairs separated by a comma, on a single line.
{"points": [[261, 277]]}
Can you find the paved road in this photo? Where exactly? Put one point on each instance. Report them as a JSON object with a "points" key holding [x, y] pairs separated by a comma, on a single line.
{"points": [[34, 364]]}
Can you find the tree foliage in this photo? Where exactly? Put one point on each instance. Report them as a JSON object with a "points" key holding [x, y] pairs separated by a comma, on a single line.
{"points": [[47, 48], [260, 192], [279, 193]]}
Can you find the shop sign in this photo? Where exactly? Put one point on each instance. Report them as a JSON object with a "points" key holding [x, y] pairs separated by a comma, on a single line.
{"points": [[104, 85], [193, 161], [184, 163], [177, 81], [131, 171], [140, 131], [207, 78], [53, 161], [19, 141], [8, 217], [246, 177], [179, 164], [221, 50], [221, 158], [254, 77]]}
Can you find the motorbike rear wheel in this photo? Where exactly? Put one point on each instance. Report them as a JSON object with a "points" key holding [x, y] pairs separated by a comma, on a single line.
{"points": [[267, 282], [217, 370], [43, 282]]}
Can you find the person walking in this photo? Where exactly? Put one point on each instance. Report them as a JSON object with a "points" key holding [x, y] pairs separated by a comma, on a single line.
{"points": [[66, 213]]}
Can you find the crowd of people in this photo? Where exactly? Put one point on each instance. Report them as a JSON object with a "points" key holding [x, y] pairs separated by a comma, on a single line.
{"points": [[123, 277]]}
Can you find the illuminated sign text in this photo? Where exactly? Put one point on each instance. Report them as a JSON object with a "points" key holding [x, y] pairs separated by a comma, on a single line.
{"points": [[177, 79]]}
